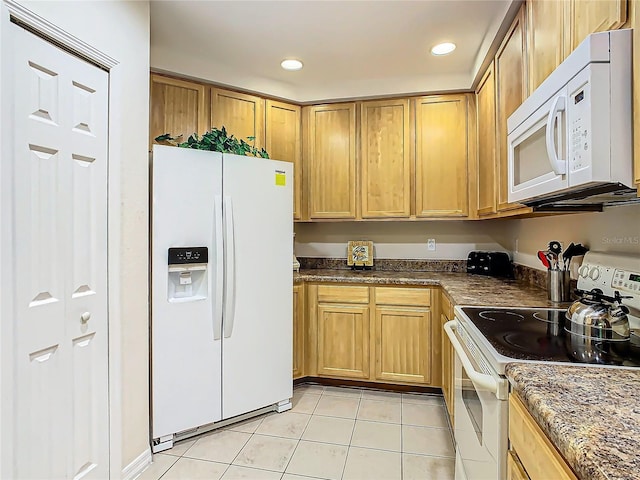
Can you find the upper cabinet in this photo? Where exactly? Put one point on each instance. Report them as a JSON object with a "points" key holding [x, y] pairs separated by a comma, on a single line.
{"points": [[442, 153], [177, 107], [485, 100], [588, 16], [385, 159], [242, 115], [282, 141], [331, 161], [510, 92], [546, 38]]}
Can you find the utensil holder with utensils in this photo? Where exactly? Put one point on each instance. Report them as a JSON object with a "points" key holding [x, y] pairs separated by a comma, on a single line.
{"points": [[559, 285]]}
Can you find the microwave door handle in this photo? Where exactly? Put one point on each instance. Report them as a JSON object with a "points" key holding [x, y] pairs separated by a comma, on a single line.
{"points": [[486, 382], [558, 165]]}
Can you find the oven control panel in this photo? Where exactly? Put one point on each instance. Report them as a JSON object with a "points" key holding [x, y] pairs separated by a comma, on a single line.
{"points": [[610, 273]]}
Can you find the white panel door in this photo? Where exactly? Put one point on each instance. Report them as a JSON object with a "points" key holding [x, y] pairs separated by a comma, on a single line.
{"points": [[258, 322], [186, 332], [59, 221]]}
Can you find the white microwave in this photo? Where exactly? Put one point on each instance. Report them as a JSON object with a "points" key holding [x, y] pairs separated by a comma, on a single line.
{"points": [[570, 142]]}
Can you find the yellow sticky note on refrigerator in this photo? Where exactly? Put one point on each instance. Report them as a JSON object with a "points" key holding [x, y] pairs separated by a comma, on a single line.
{"points": [[281, 179]]}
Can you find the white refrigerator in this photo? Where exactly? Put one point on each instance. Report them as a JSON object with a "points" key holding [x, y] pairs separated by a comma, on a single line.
{"points": [[221, 318]]}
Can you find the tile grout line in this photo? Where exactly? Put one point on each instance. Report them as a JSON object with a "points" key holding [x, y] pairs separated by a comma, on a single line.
{"points": [[355, 421], [170, 467]]}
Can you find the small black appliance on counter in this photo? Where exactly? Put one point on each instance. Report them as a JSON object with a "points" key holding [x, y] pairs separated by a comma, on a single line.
{"points": [[493, 264]]}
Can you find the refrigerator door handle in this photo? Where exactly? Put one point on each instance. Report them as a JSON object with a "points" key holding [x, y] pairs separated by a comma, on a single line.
{"points": [[219, 259], [229, 304]]}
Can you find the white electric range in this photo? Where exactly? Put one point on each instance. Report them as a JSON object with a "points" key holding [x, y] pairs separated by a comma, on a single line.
{"points": [[486, 339]]}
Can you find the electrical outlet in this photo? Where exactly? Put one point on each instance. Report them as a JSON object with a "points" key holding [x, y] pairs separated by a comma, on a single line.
{"points": [[431, 244]]}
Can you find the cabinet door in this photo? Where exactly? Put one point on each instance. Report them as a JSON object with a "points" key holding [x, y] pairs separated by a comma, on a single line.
{"points": [[298, 331], [385, 159], [545, 39], [242, 115], [403, 344], [282, 141], [487, 201], [510, 92], [332, 161], [343, 341], [442, 150], [589, 16], [177, 107]]}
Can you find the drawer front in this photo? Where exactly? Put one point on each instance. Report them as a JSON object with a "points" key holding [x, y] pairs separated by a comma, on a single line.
{"points": [[539, 457], [343, 294], [403, 296]]}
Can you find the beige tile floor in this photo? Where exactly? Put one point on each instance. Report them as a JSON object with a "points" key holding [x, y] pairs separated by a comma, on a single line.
{"points": [[331, 433]]}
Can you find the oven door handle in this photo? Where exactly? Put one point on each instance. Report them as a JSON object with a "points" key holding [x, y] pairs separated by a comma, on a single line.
{"points": [[486, 382]]}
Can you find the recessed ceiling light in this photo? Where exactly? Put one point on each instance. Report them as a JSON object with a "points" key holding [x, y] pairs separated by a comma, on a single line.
{"points": [[291, 64], [443, 48]]}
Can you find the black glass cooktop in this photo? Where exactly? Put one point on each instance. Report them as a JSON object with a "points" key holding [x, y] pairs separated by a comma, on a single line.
{"points": [[538, 334]]}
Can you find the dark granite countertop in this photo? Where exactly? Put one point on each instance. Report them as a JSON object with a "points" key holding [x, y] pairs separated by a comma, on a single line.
{"points": [[591, 414], [462, 288]]}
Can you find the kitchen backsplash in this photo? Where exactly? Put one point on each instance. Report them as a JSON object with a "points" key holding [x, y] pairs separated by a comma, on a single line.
{"points": [[522, 272], [388, 264]]}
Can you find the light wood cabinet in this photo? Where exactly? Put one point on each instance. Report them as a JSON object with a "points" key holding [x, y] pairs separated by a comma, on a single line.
{"points": [[377, 334], [547, 33], [403, 335], [515, 471], [448, 357], [589, 16], [539, 457], [385, 162], [442, 153], [242, 115], [485, 95], [283, 142], [298, 331], [343, 340], [343, 324], [330, 165], [511, 84], [177, 107], [403, 344]]}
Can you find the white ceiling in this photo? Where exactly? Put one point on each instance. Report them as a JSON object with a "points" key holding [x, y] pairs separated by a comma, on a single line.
{"points": [[349, 48]]}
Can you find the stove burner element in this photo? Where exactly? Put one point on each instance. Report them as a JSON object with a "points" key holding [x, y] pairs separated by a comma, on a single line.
{"points": [[550, 316], [501, 316]]}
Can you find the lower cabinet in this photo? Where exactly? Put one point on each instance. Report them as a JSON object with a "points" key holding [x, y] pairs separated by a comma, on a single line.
{"points": [[298, 330], [403, 335], [378, 334], [343, 340], [532, 455], [448, 357]]}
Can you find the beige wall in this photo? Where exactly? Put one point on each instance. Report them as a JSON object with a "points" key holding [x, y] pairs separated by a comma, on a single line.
{"points": [[121, 30], [617, 229], [454, 239]]}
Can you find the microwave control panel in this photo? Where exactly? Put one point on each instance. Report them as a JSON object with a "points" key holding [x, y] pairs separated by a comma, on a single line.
{"points": [[579, 138]]}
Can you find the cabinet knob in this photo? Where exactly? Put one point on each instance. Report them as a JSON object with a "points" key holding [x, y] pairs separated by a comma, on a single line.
{"points": [[85, 317]]}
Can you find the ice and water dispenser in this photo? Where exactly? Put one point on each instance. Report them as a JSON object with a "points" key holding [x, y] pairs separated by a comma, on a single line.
{"points": [[187, 274]]}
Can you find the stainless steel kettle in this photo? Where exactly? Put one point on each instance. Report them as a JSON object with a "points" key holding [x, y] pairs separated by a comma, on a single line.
{"points": [[597, 328]]}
